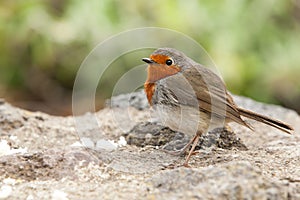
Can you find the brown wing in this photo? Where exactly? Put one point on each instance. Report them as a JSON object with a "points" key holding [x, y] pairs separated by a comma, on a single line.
{"points": [[212, 94]]}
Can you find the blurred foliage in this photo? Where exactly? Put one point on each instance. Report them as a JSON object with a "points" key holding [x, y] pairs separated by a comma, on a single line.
{"points": [[255, 44]]}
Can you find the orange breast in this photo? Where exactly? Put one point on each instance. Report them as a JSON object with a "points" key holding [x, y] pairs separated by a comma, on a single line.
{"points": [[149, 90]]}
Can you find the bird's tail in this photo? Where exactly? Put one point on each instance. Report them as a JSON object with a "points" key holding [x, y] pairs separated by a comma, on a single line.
{"points": [[267, 120]]}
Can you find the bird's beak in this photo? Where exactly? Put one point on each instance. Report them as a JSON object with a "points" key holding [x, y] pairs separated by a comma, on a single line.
{"points": [[148, 60]]}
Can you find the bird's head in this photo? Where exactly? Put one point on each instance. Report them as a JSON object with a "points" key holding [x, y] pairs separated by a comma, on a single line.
{"points": [[165, 62]]}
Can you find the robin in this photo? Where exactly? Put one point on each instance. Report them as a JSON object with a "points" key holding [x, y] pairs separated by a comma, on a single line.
{"points": [[192, 99]]}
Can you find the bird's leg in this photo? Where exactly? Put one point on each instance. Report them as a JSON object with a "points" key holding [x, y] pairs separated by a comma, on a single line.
{"points": [[183, 150], [195, 142]]}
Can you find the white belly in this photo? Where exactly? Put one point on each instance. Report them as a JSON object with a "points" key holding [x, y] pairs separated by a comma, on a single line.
{"points": [[185, 119]]}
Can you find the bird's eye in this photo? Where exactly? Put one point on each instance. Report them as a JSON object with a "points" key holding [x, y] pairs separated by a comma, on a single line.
{"points": [[169, 62]]}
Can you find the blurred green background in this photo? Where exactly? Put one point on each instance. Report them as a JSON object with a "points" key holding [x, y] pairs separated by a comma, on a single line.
{"points": [[255, 44]]}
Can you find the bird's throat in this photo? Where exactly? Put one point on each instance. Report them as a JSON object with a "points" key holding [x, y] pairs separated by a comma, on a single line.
{"points": [[155, 73]]}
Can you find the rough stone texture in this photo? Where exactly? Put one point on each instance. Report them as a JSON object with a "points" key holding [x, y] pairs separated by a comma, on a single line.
{"points": [[154, 134], [233, 180], [232, 163]]}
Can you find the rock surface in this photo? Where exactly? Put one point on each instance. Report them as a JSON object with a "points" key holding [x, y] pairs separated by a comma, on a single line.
{"points": [[41, 156]]}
